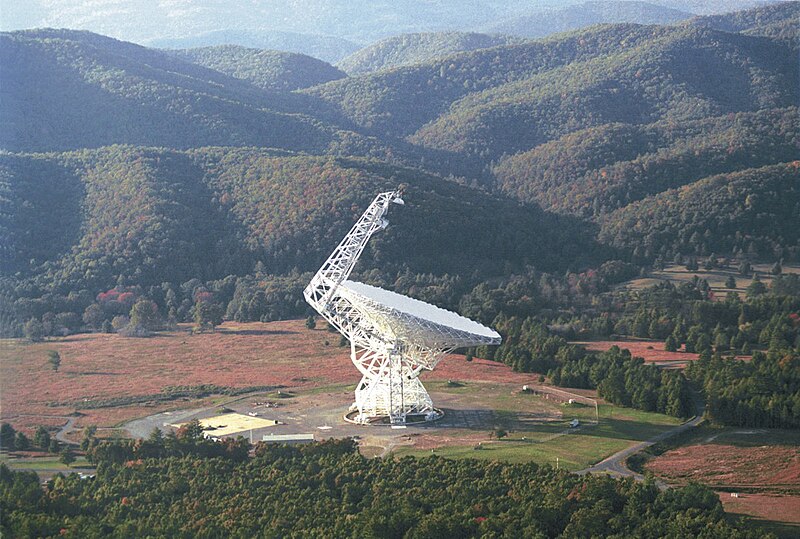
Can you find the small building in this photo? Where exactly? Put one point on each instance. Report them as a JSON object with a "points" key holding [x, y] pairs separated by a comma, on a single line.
{"points": [[574, 423], [288, 438]]}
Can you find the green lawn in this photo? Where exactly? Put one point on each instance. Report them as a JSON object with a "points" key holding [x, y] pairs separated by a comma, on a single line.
{"points": [[44, 463], [617, 429]]}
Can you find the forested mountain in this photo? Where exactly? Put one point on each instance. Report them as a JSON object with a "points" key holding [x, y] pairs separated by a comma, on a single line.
{"points": [[573, 17], [153, 215], [324, 47], [780, 20], [65, 90], [673, 76], [400, 101], [267, 69], [524, 158], [753, 211], [600, 169], [409, 49], [710, 7], [503, 100]]}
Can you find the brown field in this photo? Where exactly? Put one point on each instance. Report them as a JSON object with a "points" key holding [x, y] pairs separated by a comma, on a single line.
{"points": [[761, 466], [775, 508], [717, 465], [101, 366], [650, 350], [716, 278]]}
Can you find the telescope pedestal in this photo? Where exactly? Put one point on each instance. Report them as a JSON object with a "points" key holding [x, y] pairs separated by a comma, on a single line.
{"points": [[389, 388]]}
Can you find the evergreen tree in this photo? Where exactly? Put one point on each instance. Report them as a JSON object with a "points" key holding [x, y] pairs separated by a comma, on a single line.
{"points": [[66, 456], [21, 442], [756, 288], [42, 438], [311, 322], [54, 359], [7, 436]]}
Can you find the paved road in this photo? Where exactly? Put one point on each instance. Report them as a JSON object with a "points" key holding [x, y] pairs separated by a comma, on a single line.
{"points": [[61, 435], [615, 464]]}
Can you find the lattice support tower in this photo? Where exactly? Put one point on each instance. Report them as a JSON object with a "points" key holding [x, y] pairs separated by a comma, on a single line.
{"points": [[393, 338]]}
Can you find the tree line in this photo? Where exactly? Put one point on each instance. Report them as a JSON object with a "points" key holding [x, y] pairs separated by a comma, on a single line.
{"points": [[183, 486]]}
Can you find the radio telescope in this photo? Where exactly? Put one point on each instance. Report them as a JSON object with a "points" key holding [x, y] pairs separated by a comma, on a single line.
{"points": [[393, 338]]}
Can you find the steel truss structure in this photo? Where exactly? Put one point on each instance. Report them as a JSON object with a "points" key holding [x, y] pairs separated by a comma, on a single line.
{"points": [[393, 338]]}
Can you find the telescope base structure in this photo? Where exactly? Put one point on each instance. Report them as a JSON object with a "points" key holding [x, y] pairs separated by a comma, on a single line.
{"points": [[412, 419], [389, 391]]}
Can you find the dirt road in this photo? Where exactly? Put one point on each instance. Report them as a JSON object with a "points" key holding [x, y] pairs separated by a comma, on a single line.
{"points": [[615, 464]]}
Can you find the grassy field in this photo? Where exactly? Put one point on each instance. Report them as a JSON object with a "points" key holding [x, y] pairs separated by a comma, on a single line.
{"points": [[42, 464], [716, 278], [99, 367], [762, 466], [545, 441]]}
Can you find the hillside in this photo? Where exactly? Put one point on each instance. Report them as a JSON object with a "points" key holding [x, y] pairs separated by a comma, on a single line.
{"points": [[518, 153], [673, 76], [712, 7], [70, 90], [155, 215], [267, 69], [551, 21], [780, 21], [323, 47], [409, 49], [602, 168], [753, 211], [400, 101]]}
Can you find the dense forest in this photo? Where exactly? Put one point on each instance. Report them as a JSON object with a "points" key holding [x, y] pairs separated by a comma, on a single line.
{"points": [[267, 69], [762, 392], [410, 49], [180, 486]]}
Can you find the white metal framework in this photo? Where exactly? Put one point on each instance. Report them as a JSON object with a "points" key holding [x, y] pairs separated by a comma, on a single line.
{"points": [[393, 338]]}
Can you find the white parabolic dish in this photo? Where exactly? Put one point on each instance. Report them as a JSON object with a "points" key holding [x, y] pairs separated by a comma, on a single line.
{"points": [[404, 316]]}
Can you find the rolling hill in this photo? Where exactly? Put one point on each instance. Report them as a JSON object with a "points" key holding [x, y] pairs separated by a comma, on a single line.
{"points": [[409, 49], [603, 168], [267, 69], [752, 211], [324, 47], [156, 215], [400, 101], [673, 76], [535, 154], [542, 23], [69, 90], [780, 21]]}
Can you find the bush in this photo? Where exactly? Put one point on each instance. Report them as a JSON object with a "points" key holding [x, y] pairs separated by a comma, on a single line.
{"points": [[33, 330]]}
